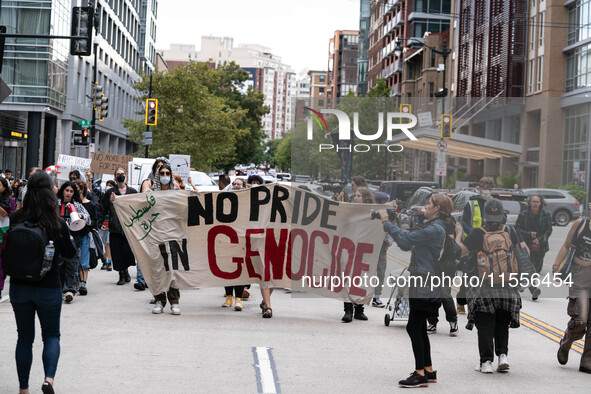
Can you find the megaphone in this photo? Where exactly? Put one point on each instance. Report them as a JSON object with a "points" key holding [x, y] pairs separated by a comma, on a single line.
{"points": [[76, 222]]}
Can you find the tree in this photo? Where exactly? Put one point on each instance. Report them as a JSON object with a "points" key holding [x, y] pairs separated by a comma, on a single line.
{"points": [[380, 90], [203, 113]]}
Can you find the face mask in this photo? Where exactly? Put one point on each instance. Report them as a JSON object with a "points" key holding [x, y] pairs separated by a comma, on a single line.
{"points": [[120, 178], [165, 180]]}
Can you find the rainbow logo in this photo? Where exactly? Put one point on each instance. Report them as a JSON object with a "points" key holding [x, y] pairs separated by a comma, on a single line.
{"points": [[317, 117]]}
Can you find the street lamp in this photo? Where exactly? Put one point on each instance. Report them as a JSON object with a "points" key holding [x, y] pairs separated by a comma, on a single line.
{"points": [[444, 52]]}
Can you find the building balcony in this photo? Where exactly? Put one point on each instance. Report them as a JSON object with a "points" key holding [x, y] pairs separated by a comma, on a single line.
{"points": [[395, 91]]}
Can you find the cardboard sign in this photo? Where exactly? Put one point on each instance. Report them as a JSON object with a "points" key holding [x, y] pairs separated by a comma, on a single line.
{"points": [[107, 163], [68, 164], [181, 165]]}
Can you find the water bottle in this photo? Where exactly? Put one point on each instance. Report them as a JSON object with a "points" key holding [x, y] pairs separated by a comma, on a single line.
{"points": [[481, 258], [47, 258], [49, 252]]}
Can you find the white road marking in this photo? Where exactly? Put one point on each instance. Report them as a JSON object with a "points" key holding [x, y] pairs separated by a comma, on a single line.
{"points": [[265, 368]]}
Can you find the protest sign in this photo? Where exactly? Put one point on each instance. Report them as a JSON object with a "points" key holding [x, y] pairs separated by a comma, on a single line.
{"points": [[272, 233], [68, 163], [107, 163], [181, 165]]}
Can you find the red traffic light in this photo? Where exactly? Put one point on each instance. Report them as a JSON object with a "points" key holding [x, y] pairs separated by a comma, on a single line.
{"points": [[85, 133], [152, 104]]}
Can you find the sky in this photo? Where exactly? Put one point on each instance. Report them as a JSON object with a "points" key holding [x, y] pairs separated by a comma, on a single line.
{"points": [[296, 30]]}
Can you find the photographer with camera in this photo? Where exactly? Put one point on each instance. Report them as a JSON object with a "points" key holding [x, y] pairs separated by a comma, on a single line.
{"points": [[425, 245]]}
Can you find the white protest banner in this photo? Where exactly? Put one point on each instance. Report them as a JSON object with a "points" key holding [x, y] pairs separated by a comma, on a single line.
{"points": [[68, 163], [181, 165], [273, 233], [107, 163]]}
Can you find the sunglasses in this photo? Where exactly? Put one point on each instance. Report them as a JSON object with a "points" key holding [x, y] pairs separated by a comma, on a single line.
{"points": [[165, 173]]}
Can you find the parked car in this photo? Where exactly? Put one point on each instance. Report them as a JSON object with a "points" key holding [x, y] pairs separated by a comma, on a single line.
{"points": [[203, 182], [512, 209], [402, 190], [561, 205], [283, 176]]}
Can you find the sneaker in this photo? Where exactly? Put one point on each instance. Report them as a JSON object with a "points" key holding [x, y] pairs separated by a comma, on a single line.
{"points": [[109, 265], [431, 328], [83, 290], [175, 308], [229, 301], [414, 380], [238, 304], [485, 367], [245, 294], [377, 303], [69, 297], [431, 376], [461, 309], [503, 364], [104, 266], [139, 286], [453, 328], [157, 307], [535, 294]]}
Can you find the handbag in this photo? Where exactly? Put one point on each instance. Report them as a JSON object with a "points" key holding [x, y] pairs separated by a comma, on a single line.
{"points": [[565, 265], [522, 256]]}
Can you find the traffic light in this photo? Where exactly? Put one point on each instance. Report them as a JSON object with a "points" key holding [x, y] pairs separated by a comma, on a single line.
{"points": [[97, 97], [446, 126], [151, 112], [84, 136], [103, 108], [82, 23]]}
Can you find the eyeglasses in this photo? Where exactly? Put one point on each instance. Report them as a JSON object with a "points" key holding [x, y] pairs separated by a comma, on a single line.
{"points": [[165, 173]]}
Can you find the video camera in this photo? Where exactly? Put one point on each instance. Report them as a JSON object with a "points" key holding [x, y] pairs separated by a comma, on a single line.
{"points": [[376, 214]]}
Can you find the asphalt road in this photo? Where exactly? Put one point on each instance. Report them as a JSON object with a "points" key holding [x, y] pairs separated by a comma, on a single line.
{"points": [[112, 343]]}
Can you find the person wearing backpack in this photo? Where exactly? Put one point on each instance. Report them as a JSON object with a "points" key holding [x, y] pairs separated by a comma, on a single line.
{"points": [[425, 244], [493, 307], [579, 293], [43, 296]]}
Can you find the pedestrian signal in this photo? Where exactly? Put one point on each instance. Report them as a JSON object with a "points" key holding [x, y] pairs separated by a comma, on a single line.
{"points": [[151, 112]]}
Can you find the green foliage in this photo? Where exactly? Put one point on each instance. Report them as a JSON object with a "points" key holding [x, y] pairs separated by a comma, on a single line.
{"points": [[507, 181], [282, 156], [203, 113], [451, 181], [576, 191], [380, 90]]}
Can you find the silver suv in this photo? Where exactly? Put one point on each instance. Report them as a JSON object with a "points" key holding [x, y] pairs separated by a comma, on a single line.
{"points": [[561, 205]]}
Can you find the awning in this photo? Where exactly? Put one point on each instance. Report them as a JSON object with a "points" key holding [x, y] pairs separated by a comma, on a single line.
{"points": [[529, 164], [460, 145], [407, 58]]}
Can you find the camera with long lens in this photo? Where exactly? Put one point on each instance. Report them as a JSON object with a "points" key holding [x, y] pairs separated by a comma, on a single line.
{"points": [[376, 214]]}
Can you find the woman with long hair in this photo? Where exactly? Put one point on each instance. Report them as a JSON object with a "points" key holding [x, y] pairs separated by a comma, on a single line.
{"points": [[68, 196], [5, 211], [425, 244], [362, 195], [45, 296], [89, 206]]}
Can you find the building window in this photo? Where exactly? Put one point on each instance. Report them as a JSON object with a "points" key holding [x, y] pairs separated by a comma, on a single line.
{"points": [[532, 33], [541, 29], [578, 69], [574, 155], [530, 85], [431, 91], [540, 72]]}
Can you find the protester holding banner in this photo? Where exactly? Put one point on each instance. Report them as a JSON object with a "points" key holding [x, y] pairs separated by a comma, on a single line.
{"points": [[163, 181], [425, 245], [69, 201], [43, 297], [362, 195], [122, 255], [148, 183]]}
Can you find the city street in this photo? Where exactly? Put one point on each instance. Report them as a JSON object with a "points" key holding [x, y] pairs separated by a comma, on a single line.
{"points": [[112, 343]]}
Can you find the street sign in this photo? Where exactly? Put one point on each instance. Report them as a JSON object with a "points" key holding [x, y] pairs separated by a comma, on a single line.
{"points": [[441, 156], [84, 123], [425, 119], [441, 168], [442, 145]]}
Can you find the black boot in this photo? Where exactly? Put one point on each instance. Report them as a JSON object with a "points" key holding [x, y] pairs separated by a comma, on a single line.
{"points": [[127, 276], [359, 315], [348, 317], [121, 278]]}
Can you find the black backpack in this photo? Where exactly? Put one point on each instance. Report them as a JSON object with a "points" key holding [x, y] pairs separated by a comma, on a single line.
{"points": [[24, 251], [450, 253]]}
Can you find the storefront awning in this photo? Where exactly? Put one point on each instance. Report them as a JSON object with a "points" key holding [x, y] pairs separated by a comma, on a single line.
{"points": [[460, 145]]}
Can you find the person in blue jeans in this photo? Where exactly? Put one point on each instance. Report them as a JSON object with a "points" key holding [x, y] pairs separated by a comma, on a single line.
{"points": [[44, 297]]}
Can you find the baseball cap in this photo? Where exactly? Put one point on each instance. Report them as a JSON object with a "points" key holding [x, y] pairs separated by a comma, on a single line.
{"points": [[493, 211], [381, 196]]}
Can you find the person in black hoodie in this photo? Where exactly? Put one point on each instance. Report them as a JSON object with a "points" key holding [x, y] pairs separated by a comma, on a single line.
{"points": [[45, 296]]}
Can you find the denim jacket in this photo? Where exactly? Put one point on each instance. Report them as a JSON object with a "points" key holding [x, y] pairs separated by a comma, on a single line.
{"points": [[425, 245]]}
